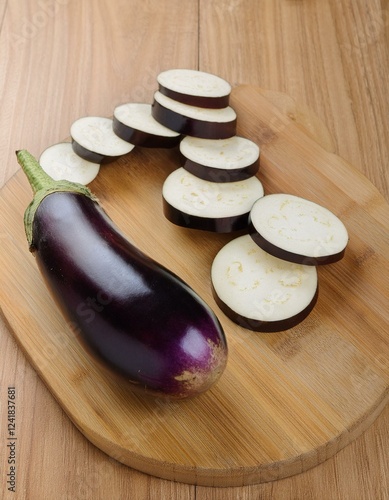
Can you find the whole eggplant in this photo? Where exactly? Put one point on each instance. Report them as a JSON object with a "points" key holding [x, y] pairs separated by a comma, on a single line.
{"points": [[137, 318]]}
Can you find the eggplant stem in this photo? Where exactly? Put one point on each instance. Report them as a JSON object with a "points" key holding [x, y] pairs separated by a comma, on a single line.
{"points": [[36, 176], [43, 185]]}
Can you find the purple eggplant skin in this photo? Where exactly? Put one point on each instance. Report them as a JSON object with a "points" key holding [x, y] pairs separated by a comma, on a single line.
{"points": [[143, 139], [191, 126], [137, 319], [212, 174], [195, 100], [228, 224]]}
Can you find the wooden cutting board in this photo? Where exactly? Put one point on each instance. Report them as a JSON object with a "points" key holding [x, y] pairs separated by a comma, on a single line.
{"points": [[287, 401]]}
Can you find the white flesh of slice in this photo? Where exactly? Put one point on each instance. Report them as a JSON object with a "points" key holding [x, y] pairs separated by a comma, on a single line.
{"points": [[298, 225], [95, 133], [195, 196], [223, 115], [258, 286], [195, 83], [233, 153], [138, 116], [60, 162]]}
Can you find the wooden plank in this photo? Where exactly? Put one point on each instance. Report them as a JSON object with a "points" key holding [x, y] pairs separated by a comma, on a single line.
{"points": [[282, 405], [80, 58], [329, 55], [91, 66]]}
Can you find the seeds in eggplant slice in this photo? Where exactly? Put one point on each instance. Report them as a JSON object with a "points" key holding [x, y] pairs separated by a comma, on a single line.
{"points": [[192, 202], [298, 230], [133, 123], [61, 162], [259, 291], [94, 140], [192, 120], [220, 160], [195, 88]]}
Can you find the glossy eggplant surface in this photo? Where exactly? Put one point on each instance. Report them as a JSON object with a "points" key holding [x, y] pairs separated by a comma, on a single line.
{"points": [[134, 316]]}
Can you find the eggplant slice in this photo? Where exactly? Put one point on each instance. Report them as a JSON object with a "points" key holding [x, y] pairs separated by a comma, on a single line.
{"points": [[134, 123], [194, 203], [297, 230], [94, 140], [195, 88], [61, 162], [259, 291], [220, 160], [192, 120]]}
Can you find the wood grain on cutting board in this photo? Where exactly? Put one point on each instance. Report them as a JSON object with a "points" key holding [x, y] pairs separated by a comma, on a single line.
{"points": [[287, 401]]}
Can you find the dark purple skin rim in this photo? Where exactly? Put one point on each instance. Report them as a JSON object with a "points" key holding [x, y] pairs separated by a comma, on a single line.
{"points": [[190, 126], [290, 256], [215, 225], [265, 326], [221, 174], [195, 100], [91, 156], [141, 138]]}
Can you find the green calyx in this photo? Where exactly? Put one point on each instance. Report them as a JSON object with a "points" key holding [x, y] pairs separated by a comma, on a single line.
{"points": [[43, 185]]}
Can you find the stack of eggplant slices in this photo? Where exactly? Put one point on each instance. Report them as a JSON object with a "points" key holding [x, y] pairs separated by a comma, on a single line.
{"points": [[264, 280]]}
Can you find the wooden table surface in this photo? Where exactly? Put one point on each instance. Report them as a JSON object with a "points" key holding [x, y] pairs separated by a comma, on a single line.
{"points": [[63, 59]]}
